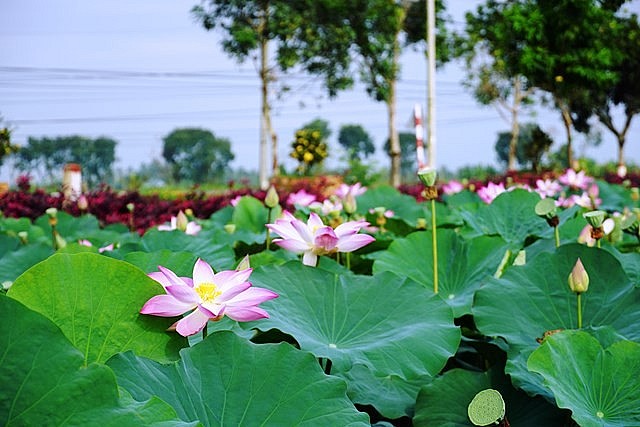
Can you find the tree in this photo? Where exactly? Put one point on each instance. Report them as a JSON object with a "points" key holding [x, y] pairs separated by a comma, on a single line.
{"points": [[625, 93], [196, 155], [481, 47], [408, 159], [47, 156], [559, 46], [6, 146], [309, 146], [532, 144], [356, 141]]}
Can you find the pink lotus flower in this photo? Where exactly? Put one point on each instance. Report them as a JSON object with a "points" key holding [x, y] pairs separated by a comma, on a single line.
{"points": [[575, 179], [301, 198], [210, 295], [548, 188], [87, 243], [452, 187], [313, 238], [326, 207], [344, 189], [490, 192]]}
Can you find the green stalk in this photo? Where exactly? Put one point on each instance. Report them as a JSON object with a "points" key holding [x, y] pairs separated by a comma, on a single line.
{"points": [[268, 231], [579, 312], [348, 255], [435, 245], [557, 234]]}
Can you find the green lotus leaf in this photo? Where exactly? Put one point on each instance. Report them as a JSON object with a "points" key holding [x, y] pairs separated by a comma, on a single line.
{"points": [[391, 324], [444, 401], [535, 298], [96, 300], [180, 263], [601, 386], [392, 396], [463, 265], [15, 263], [8, 244], [227, 380], [14, 225], [219, 256], [46, 382], [251, 214], [614, 197], [70, 227], [630, 262], [511, 215]]}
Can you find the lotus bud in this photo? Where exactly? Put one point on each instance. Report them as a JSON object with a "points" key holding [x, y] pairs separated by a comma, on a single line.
{"points": [[130, 207], [350, 205], [83, 203], [60, 242], [24, 237], [578, 279], [6, 285], [595, 218], [244, 263], [52, 213], [421, 224], [271, 200], [181, 221], [230, 228], [428, 176]]}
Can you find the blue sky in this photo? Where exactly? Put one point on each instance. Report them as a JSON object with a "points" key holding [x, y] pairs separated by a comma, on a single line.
{"points": [[138, 71]]}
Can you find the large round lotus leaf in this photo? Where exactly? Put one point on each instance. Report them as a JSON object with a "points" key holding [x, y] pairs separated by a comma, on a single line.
{"points": [[630, 263], [463, 265], [226, 380], [15, 263], [219, 256], [404, 206], [444, 401], [388, 323], [510, 215], [601, 386], [535, 298], [8, 244], [96, 300], [45, 382]]}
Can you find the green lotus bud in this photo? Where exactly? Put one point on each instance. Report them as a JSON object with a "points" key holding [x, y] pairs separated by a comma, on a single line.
{"points": [[52, 212], [244, 263], [181, 221], [578, 279], [230, 228], [271, 200], [421, 223], [350, 204], [428, 176], [595, 218], [60, 242], [130, 207]]}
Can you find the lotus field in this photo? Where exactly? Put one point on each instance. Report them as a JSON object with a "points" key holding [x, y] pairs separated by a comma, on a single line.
{"points": [[371, 307]]}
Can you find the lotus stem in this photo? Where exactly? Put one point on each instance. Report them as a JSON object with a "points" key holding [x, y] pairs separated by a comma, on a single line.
{"points": [[434, 241], [348, 256], [204, 330], [268, 231], [557, 234], [579, 311]]}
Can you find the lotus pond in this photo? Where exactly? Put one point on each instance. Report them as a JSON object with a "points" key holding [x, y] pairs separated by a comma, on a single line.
{"points": [[350, 333]]}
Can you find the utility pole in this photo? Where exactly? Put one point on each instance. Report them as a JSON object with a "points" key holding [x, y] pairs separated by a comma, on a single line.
{"points": [[431, 82]]}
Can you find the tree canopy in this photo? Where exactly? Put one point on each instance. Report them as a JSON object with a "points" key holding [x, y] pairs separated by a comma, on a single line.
{"points": [[356, 141], [47, 156], [196, 155]]}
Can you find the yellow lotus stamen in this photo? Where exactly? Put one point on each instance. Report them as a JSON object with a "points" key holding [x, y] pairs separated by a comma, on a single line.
{"points": [[208, 292]]}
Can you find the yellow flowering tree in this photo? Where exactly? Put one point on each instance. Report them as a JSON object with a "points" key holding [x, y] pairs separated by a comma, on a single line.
{"points": [[309, 148], [6, 147]]}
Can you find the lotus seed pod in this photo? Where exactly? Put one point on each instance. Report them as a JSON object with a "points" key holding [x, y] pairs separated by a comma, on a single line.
{"points": [[130, 207], [52, 212], [428, 176], [578, 279], [487, 408], [595, 218], [546, 208]]}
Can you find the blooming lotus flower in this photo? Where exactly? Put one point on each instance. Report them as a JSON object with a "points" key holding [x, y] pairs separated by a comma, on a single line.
{"points": [[548, 188], [326, 207], [210, 295], [575, 179], [181, 223], [355, 190], [452, 187], [313, 238], [301, 198], [490, 192]]}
